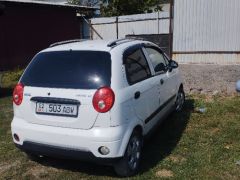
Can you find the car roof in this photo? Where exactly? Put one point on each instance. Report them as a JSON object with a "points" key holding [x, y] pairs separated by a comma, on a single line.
{"points": [[93, 45]]}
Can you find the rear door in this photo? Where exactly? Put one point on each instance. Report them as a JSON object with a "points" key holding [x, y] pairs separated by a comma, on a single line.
{"points": [[59, 87]]}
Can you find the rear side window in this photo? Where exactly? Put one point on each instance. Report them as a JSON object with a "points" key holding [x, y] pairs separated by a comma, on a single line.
{"points": [[69, 69], [137, 68]]}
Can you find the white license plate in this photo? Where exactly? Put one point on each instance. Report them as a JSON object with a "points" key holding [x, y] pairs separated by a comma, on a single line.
{"points": [[69, 110]]}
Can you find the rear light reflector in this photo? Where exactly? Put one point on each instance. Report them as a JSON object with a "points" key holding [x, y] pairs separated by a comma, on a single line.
{"points": [[18, 94], [103, 99], [103, 150]]}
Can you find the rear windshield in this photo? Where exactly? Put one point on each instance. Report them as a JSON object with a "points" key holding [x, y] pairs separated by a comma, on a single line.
{"points": [[69, 69]]}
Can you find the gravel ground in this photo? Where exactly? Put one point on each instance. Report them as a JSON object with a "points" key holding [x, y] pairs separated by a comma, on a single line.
{"points": [[210, 79]]}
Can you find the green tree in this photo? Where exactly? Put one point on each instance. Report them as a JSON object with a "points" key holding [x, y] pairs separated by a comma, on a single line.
{"points": [[122, 7], [84, 2], [127, 7]]}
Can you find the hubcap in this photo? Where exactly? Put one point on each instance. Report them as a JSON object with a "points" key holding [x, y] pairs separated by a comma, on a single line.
{"points": [[133, 152], [180, 101]]}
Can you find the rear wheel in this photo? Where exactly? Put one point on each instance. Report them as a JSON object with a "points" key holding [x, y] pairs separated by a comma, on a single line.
{"points": [[180, 100], [129, 164]]}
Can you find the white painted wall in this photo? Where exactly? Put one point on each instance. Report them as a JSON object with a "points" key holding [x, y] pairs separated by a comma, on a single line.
{"points": [[132, 24]]}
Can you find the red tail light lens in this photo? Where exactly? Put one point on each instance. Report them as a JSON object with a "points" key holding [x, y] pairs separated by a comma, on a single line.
{"points": [[103, 99], [18, 94]]}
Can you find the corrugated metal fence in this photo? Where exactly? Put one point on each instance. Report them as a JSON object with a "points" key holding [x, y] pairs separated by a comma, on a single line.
{"points": [[204, 31], [119, 27], [207, 31]]}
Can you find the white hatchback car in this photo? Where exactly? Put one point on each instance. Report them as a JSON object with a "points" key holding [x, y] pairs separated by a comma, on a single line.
{"points": [[95, 100]]}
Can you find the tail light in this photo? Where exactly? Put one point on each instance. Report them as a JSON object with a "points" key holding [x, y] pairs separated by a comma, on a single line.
{"points": [[103, 99], [18, 94]]}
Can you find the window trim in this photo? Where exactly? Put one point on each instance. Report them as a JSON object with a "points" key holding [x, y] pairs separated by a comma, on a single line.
{"points": [[130, 51]]}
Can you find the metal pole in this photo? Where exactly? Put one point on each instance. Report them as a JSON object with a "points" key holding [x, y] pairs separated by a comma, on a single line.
{"points": [[117, 26], [171, 29], [158, 21]]}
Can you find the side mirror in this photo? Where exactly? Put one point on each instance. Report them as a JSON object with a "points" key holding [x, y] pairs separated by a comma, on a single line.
{"points": [[172, 65], [160, 67]]}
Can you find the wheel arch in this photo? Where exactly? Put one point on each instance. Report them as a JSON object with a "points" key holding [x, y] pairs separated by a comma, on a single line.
{"points": [[137, 127]]}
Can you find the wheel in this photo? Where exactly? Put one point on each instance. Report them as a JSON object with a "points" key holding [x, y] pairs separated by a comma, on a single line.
{"points": [[128, 165], [180, 100]]}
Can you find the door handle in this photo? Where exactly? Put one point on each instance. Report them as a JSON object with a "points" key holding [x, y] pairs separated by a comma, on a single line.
{"points": [[161, 81], [137, 95]]}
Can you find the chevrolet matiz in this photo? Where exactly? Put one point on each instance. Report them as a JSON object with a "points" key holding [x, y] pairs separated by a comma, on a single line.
{"points": [[95, 100]]}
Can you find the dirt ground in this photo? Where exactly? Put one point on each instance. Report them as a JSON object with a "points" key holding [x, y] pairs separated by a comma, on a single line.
{"points": [[210, 79]]}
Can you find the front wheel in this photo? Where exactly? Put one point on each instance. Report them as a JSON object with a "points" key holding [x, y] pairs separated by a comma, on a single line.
{"points": [[180, 100], [129, 164]]}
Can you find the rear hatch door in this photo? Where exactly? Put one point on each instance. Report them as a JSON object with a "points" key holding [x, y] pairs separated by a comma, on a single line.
{"points": [[59, 87]]}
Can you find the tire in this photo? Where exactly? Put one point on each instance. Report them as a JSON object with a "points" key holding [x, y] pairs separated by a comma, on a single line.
{"points": [[128, 165], [180, 100]]}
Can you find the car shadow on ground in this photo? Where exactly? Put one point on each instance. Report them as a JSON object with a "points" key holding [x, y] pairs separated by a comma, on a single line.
{"points": [[166, 137], [5, 92], [159, 146], [78, 167]]}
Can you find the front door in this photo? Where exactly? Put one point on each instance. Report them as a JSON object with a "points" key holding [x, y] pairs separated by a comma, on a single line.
{"points": [[163, 85], [164, 78]]}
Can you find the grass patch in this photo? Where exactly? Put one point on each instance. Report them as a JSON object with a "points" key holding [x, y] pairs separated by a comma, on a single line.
{"points": [[188, 145], [10, 78]]}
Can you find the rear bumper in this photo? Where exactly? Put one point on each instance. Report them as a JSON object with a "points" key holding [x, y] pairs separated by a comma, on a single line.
{"points": [[63, 153], [46, 140]]}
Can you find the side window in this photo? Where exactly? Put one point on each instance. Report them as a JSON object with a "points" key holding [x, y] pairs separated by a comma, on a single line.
{"points": [[158, 60], [137, 68]]}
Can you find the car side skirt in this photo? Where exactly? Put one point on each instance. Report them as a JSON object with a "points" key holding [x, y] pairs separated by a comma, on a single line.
{"points": [[159, 109]]}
